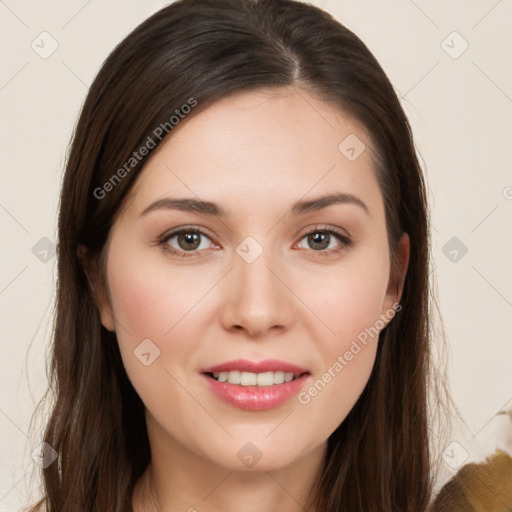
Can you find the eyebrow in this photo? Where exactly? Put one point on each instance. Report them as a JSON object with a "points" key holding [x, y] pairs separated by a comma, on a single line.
{"points": [[209, 208]]}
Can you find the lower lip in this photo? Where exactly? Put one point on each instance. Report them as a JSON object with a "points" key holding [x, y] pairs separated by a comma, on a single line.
{"points": [[256, 398]]}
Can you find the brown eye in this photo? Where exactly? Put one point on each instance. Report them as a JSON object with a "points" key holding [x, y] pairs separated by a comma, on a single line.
{"points": [[188, 241], [184, 241], [324, 240], [319, 241]]}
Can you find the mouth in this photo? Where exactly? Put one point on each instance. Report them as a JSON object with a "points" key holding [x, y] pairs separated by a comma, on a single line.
{"points": [[262, 379], [255, 386]]}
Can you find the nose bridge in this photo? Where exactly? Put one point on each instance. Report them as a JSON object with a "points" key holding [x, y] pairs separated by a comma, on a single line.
{"points": [[258, 300]]}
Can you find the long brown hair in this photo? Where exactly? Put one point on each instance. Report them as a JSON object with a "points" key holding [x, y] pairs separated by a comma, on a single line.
{"points": [[379, 458]]}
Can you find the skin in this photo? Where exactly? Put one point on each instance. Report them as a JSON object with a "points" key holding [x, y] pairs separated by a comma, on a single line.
{"points": [[255, 154]]}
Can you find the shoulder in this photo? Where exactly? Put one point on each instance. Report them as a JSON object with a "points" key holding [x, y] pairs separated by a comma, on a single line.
{"points": [[483, 487]]}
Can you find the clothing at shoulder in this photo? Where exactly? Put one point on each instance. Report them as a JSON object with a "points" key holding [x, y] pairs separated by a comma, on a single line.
{"points": [[484, 487]]}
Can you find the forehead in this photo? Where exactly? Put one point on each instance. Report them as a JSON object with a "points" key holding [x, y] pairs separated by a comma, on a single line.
{"points": [[254, 149]]}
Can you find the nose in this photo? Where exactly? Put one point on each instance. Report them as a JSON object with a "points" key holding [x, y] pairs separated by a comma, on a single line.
{"points": [[257, 300]]}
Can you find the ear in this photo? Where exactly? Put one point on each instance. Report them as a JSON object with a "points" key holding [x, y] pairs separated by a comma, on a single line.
{"points": [[397, 274], [89, 263]]}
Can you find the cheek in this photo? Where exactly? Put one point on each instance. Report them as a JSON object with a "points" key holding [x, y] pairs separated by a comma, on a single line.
{"points": [[150, 302], [152, 299], [347, 298]]}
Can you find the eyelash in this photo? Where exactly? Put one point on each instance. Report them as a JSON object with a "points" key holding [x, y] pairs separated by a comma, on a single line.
{"points": [[341, 236]]}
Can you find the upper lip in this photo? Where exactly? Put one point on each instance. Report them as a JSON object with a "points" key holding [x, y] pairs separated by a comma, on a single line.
{"points": [[244, 365]]}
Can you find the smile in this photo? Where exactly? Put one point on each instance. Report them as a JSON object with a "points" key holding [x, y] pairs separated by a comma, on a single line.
{"points": [[254, 379]]}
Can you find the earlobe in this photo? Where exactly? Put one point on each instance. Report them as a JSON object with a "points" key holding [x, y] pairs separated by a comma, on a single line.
{"points": [[89, 264]]}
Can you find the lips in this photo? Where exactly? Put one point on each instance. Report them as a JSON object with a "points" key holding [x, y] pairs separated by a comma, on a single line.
{"points": [[244, 365], [253, 385]]}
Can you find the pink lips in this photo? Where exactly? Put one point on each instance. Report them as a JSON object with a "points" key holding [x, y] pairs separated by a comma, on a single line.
{"points": [[256, 398], [268, 365]]}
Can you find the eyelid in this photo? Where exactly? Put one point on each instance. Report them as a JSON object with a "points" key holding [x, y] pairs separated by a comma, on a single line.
{"points": [[162, 240], [326, 228], [181, 229], [343, 237]]}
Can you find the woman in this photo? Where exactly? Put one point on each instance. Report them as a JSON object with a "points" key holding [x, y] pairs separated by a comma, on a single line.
{"points": [[243, 297]]}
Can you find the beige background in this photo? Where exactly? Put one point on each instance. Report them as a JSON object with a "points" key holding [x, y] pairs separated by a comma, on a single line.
{"points": [[460, 107]]}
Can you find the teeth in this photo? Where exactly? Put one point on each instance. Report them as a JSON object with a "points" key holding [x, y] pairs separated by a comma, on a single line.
{"points": [[254, 379], [223, 376], [248, 379], [265, 379], [279, 377]]}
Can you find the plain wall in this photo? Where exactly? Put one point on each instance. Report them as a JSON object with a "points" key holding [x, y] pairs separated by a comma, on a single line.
{"points": [[460, 108]]}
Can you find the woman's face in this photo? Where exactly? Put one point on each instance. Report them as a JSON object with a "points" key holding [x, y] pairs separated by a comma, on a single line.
{"points": [[267, 279]]}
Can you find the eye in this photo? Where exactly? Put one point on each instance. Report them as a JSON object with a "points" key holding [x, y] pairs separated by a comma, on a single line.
{"points": [[185, 240], [188, 241], [326, 240]]}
